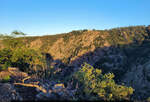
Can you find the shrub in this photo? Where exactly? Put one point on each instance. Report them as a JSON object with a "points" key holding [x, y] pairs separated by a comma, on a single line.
{"points": [[17, 54], [6, 79], [101, 86], [6, 65]]}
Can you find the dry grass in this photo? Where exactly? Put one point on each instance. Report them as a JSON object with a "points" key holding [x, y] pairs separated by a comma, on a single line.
{"points": [[14, 73], [4, 74]]}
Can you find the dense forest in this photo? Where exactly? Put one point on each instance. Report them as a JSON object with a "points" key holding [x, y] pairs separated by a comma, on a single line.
{"points": [[106, 65]]}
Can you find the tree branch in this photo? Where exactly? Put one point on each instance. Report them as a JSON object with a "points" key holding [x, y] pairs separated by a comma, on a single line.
{"points": [[32, 85]]}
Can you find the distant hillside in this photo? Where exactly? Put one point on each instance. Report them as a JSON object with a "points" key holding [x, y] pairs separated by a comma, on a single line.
{"points": [[123, 51], [76, 43]]}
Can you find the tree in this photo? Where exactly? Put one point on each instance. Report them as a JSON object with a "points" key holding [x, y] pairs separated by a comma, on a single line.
{"points": [[17, 54], [12, 41], [101, 86]]}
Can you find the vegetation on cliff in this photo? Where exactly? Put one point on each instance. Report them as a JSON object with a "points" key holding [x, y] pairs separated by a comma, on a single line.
{"points": [[59, 58]]}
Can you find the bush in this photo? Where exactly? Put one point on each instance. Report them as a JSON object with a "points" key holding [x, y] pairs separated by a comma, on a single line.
{"points": [[17, 54], [101, 86], [6, 79], [6, 65]]}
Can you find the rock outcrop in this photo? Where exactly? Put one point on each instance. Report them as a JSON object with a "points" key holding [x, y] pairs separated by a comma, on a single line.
{"points": [[8, 93], [58, 90]]}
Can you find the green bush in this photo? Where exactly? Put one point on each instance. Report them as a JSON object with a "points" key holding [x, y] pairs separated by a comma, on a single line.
{"points": [[6, 79], [17, 54], [100, 86], [6, 65], [5, 55]]}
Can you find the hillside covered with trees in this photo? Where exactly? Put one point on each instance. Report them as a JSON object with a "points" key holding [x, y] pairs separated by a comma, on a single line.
{"points": [[85, 64]]}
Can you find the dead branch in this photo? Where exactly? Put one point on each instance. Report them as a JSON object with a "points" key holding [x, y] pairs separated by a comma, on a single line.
{"points": [[25, 79], [32, 85]]}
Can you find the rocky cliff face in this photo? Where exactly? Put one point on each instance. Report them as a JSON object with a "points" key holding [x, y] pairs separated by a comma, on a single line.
{"points": [[138, 77]]}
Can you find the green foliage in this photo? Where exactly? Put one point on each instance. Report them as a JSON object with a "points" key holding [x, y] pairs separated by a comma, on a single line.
{"points": [[103, 86], [21, 57], [6, 65], [5, 55], [125, 35], [17, 54], [6, 79], [11, 41], [17, 33]]}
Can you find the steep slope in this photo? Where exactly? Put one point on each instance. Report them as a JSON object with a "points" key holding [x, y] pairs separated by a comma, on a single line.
{"points": [[123, 51], [76, 43]]}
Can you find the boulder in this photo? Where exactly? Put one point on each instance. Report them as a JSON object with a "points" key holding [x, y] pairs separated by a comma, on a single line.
{"points": [[57, 92], [138, 78], [146, 71], [8, 93]]}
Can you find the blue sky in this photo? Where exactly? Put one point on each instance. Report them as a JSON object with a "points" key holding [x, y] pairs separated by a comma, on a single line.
{"points": [[42, 17]]}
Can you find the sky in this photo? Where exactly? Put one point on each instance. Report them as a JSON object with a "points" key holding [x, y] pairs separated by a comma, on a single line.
{"points": [[45, 17]]}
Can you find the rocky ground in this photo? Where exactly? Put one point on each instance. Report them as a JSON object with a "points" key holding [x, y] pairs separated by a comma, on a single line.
{"points": [[22, 87]]}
